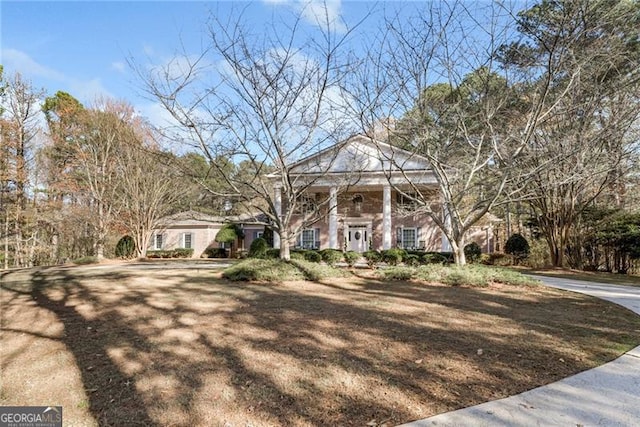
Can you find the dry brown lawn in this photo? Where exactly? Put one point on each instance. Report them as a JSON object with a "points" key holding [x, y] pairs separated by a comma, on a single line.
{"points": [[121, 346]]}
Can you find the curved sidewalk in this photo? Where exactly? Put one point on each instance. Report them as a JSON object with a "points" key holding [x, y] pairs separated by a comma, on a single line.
{"points": [[608, 395]]}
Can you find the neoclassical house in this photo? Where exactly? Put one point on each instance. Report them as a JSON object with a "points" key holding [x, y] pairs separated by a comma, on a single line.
{"points": [[353, 193], [358, 183]]}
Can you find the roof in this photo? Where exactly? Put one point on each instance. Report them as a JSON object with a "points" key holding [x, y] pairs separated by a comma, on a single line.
{"points": [[360, 154], [191, 218], [195, 218]]}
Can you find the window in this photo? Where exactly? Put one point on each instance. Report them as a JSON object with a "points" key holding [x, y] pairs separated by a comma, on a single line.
{"points": [[187, 241], [407, 201], [306, 204], [307, 238], [158, 242], [408, 237], [357, 203]]}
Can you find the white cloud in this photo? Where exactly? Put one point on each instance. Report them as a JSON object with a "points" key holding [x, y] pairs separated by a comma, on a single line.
{"points": [[86, 91], [17, 61], [118, 66], [321, 13], [324, 14]]}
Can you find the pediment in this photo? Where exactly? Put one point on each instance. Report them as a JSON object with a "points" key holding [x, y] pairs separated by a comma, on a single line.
{"points": [[360, 154]]}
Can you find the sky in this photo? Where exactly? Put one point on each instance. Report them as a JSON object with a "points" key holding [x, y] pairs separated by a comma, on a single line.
{"points": [[82, 47]]}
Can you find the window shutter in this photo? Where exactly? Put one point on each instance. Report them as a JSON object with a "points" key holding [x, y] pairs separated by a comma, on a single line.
{"points": [[316, 238], [399, 236]]}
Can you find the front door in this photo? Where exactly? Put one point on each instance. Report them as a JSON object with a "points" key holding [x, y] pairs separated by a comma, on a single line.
{"points": [[358, 237]]}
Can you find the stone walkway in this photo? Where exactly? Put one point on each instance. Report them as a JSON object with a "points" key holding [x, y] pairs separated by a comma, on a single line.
{"points": [[608, 395]]}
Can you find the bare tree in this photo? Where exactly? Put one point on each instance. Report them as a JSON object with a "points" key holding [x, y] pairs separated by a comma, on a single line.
{"points": [[20, 128], [266, 100], [147, 188], [474, 96], [584, 151], [435, 77], [87, 144]]}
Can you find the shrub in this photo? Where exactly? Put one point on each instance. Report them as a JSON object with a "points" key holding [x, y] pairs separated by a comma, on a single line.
{"points": [[273, 253], [267, 235], [298, 254], [398, 273], [351, 257], [510, 277], [258, 248], [331, 256], [212, 252], [267, 270], [472, 252], [431, 272], [175, 253], [85, 260], [372, 257], [497, 258], [472, 275], [125, 247], [315, 271], [412, 260], [465, 276], [393, 256], [312, 256], [539, 256], [182, 253], [229, 233], [434, 258], [276, 270], [517, 246]]}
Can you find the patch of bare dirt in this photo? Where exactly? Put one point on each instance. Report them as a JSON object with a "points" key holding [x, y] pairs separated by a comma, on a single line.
{"points": [[183, 347]]}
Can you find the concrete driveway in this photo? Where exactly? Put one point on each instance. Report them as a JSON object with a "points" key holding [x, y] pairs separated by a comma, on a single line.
{"points": [[608, 395]]}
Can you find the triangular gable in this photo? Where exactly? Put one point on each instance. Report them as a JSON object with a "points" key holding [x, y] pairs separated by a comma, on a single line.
{"points": [[360, 154]]}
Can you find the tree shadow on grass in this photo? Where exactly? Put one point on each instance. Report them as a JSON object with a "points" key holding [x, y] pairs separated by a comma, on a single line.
{"points": [[176, 348], [111, 393]]}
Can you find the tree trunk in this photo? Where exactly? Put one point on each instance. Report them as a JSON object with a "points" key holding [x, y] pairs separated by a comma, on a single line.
{"points": [[100, 234], [6, 240], [457, 247], [285, 252]]}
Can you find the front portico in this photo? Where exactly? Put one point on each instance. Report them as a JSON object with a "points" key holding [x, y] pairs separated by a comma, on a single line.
{"points": [[356, 183]]}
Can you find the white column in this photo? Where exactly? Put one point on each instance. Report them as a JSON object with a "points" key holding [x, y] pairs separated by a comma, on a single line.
{"points": [[333, 218], [386, 217], [446, 245], [277, 204]]}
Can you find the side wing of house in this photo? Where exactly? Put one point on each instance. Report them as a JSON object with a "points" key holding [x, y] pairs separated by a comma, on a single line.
{"points": [[188, 230]]}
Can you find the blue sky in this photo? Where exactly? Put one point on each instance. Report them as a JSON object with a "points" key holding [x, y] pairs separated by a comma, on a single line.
{"points": [[81, 47]]}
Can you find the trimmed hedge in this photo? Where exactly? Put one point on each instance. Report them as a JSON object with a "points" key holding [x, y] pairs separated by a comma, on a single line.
{"points": [[393, 256], [331, 256], [372, 257], [412, 260], [351, 257], [258, 248], [472, 252], [311, 256], [174, 253], [214, 253]]}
